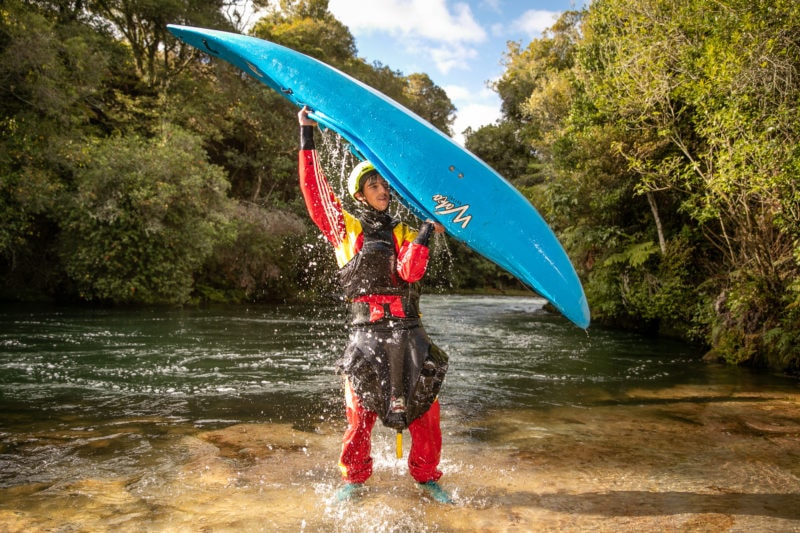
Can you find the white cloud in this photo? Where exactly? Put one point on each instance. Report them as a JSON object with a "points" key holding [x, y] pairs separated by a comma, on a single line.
{"points": [[499, 29], [457, 93], [534, 22], [430, 19], [447, 58], [474, 115], [463, 95], [475, 108], [445, 33]]}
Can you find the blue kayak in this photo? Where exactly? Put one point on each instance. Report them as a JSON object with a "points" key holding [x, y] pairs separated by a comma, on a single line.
{"points": [[434, 176]]}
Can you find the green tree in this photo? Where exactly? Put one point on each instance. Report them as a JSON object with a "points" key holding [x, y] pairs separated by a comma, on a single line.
{"points": [[712, 90], [55, 78], [145, 216], [143, 24], [502, 147], [259, 265], [430, 101], [308, 27], [574, 171]]}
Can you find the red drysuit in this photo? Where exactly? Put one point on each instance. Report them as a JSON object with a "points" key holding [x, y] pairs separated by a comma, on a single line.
{"points": [[380, 261]]}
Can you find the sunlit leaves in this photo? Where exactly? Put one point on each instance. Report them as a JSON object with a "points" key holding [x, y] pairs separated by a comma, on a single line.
{"points": [[714, 87]]}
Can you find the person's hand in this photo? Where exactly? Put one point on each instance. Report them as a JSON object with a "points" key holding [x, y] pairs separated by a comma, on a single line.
{"points": [[428, 227], [302, 117]]}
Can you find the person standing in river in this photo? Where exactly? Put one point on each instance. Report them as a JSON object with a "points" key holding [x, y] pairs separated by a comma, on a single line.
{"points": [[392, 369]]}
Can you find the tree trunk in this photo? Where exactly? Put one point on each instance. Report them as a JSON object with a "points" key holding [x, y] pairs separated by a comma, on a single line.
{"points": [[662, 243]]}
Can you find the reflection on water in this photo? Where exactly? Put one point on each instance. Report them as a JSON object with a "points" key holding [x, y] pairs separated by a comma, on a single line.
{"points": [[171, 418]]}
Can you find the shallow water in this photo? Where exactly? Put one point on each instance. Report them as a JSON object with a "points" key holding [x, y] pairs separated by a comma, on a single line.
{"points": [[230, 419]]}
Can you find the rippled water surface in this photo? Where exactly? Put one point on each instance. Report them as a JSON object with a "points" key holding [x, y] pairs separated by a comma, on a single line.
{"points": [[113, 395], [266, 363]]}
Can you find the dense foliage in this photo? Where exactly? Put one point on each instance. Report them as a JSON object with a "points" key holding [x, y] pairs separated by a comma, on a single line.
{"points": [[134, 169], [659, 138], [665, 140]]}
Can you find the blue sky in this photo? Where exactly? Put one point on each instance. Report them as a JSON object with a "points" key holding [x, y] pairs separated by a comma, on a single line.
{"points": [[459, 44]]}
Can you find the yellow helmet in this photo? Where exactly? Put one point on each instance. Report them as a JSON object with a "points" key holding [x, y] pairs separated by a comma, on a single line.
{"points": [[354, 181]]}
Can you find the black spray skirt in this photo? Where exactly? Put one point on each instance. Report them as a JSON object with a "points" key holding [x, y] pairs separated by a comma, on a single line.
{"points": [[394, 369]]}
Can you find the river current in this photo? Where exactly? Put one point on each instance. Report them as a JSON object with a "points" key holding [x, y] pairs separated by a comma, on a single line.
{"points": [[229, 419]]}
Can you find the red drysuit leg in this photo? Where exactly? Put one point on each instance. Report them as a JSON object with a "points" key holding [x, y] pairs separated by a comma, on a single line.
{"points": [[356, 459], [426, 443], [426, 446]]}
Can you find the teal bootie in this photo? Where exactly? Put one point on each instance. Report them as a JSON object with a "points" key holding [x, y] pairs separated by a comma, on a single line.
{"points": [[435, 491], [348, 491]]}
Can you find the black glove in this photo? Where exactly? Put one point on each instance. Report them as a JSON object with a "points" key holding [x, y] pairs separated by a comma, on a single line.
{"points": [[424, 234], [307, 137]]}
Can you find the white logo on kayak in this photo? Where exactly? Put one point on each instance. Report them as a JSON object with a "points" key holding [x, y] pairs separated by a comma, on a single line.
{"points": [[445, 207]]}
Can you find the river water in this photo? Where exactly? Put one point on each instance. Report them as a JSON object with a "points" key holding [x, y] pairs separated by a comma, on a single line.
{"points": [[230, 419]]}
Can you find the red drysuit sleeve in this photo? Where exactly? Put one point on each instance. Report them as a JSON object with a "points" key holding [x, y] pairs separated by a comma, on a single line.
{"points": [[412, 260], [323, 206]]}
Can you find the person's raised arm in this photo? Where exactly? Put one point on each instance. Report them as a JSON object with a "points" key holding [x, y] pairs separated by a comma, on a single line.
{"points": [[323, 206], [412, 258], [306, 129]]}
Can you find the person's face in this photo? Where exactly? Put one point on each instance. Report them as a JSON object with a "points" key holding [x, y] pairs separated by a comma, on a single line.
{"points": [[376, 193]]}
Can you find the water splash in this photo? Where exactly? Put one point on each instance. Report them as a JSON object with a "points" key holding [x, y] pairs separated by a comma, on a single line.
{"points": [[337, 161]]}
